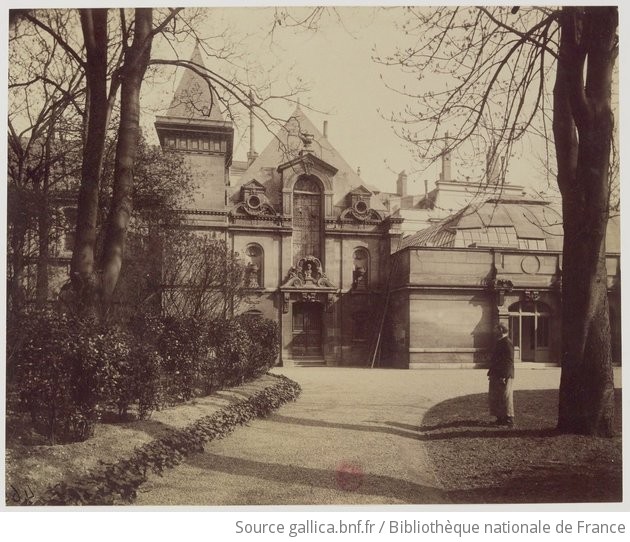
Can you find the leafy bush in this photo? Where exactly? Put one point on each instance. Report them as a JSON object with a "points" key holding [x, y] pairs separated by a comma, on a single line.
{"points": [[135, 376], [67, 371], [184, 349], [232, 346], [265, 343], [60, 375]]}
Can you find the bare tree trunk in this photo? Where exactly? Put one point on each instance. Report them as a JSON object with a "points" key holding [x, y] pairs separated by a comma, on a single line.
{"points": [[16, 261], [43, 232], [583, 124], [82, 272], [135, 64]]}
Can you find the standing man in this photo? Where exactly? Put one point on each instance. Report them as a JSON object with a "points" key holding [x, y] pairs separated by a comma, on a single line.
{"points": [[501, 376]]}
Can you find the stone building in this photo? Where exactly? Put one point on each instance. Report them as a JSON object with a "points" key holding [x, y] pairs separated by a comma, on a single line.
{"points": [[339, 264]]}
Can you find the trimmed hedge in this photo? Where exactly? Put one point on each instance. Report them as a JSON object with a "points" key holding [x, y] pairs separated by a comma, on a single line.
{"points": [[119, 482], [67, 372]]}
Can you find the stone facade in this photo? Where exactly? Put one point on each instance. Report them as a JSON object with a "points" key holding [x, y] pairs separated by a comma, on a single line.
{"points": [[341, 265]]}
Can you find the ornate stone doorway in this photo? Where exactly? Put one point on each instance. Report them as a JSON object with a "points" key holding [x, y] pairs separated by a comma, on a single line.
{"points": [[307, 330]]}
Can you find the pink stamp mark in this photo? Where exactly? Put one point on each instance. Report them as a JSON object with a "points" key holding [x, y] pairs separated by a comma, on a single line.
{"points": [[349, 475]]}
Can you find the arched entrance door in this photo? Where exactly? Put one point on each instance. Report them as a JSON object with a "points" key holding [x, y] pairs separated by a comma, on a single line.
{"points": [[307, 330], [529, 330]]}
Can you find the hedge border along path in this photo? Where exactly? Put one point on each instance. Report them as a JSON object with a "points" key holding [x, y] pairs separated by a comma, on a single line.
{"points": [[118, 483]]}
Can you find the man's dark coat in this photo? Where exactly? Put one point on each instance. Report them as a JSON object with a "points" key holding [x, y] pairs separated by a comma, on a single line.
{"points": [[502, 361]]}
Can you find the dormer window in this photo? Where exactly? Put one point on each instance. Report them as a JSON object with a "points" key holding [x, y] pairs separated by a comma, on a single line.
{"points": [[360, 199], [253, 201], [253, 195]]}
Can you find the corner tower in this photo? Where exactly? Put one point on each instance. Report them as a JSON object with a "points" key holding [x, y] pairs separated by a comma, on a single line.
{"points": [[195, 127]]}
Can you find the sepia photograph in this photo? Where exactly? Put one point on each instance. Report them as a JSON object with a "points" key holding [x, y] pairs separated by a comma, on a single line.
{"points": [[313, 256]]}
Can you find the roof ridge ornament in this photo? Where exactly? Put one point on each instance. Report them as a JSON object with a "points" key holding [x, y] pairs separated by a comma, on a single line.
{"points": [[307, 140]]}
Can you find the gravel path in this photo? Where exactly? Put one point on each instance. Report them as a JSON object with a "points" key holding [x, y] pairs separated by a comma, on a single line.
{"points": [[351, 438]]}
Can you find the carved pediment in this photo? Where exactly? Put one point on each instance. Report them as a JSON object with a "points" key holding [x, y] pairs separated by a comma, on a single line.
{"points": [[361, 191], [254, 202], [252, 186], [360, 212], [308, 163], [359, 208], [307, 273], [254, 207]]}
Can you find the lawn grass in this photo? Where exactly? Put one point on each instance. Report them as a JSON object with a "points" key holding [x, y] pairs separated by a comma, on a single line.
{"points": [[479, 462]]}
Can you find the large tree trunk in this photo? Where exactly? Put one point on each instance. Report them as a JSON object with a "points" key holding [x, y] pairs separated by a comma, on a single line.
{"points": [[583, 124], [133, 71], [82, 270]]}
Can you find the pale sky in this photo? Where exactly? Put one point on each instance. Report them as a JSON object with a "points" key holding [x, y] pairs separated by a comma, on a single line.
{"points": [[345, 88], [345, 83]]}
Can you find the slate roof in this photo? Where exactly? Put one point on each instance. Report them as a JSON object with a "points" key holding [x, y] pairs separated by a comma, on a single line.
{"points": [[529, 219], [193, 98], [286, 146]]}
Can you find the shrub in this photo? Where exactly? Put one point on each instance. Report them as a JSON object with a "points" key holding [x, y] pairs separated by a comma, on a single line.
{"points": [[184, 349], [232, 347], [135, 373], [61, 376], [265, 343]]}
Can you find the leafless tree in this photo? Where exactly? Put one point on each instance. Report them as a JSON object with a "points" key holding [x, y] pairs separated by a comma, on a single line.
{"points": [[488, 70], [113, 49], [44, 96], [201, 277]]}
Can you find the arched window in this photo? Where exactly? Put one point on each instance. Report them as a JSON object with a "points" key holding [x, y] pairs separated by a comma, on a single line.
{"points": [[307, 218], [255, 266], [360, 268], [530, 329]]}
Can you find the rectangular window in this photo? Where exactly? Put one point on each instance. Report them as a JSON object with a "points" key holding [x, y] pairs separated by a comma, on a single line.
{"points": [[205, 144], [216, 146], [223, 146], [193, 144], [182, 143], [170, 142]]}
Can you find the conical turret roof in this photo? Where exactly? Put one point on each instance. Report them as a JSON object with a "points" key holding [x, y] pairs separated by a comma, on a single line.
{"points": [[194, 99]]}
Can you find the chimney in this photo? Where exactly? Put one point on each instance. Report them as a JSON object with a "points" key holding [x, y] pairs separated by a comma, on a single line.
{"points": [[401, 183], [493, 171], [326, 129], [252, 154], [446, 161]]}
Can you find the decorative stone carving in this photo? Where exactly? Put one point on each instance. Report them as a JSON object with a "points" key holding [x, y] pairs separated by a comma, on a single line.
{"points": [[254, 203], [307, 273], [498, 286], [359, 212], [530, 264], [531, 295]]}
